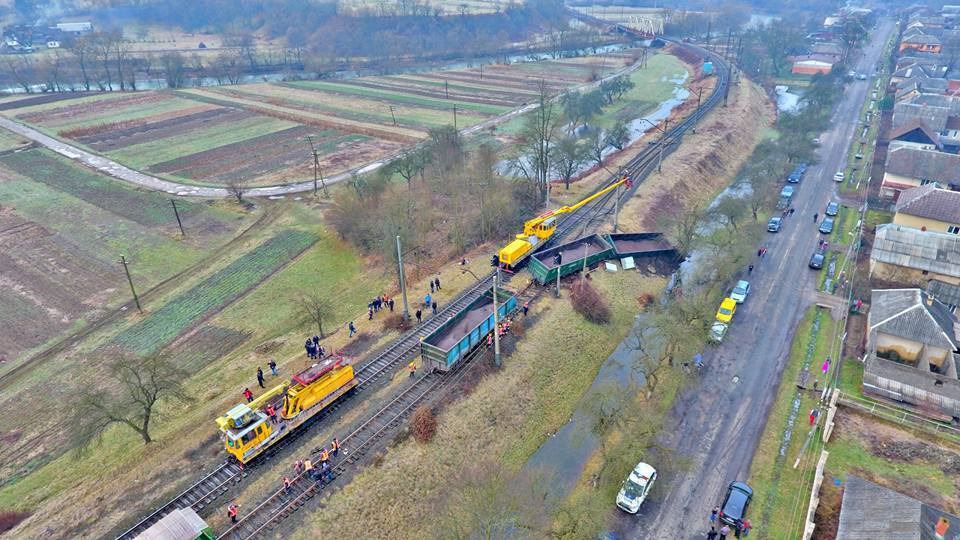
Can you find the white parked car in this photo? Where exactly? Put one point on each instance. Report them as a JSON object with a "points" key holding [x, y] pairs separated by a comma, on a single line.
{"points": [[741, 291], [718, 331], [838, 177], [636, 488]]}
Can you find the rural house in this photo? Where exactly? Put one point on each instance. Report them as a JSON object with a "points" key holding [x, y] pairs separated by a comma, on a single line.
{"points": [[870, 511], [929, 208], [912, 167], [905, 255], [913, 351], [921, 42], [811, 64], [914, 134]]}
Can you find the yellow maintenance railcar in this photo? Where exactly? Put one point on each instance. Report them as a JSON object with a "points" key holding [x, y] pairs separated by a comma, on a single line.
{"points": [[247, 430]]}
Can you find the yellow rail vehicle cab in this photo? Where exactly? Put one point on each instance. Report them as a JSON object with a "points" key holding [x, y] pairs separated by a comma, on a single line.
{"points": [[248, 430]]}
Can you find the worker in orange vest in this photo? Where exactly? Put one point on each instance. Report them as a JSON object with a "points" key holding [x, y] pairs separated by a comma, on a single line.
{"points": [[335, 446], [412, 368], [286, 484], [324, 456], [232, 512]]}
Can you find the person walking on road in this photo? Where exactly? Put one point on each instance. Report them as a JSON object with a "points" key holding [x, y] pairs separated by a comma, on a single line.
{"points": [[260, 377], [712, 535], [286, 485], [273, 368], [390, 303], [826, 366], [750, 269], [335, 447], [419, 315], [426, 300], [815, 217], [746, 528], [724, 531], [713, 514], [353, 329]]}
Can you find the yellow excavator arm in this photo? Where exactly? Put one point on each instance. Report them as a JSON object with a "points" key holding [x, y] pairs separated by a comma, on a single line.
{"points": [[541, 228]]}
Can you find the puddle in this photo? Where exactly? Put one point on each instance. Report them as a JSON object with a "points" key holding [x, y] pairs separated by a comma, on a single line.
{"points": [[787, 101]]}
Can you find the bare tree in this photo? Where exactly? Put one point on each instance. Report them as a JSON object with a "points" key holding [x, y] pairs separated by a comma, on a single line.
{"points": [[138, 385], [537, 135], [20, 69], [237, 187], [174, 69], [82, 50], [317, 308], [568, 155], [618, 135]]}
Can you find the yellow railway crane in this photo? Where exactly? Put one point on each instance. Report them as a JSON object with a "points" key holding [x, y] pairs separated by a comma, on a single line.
{"points": [[539, 229]]}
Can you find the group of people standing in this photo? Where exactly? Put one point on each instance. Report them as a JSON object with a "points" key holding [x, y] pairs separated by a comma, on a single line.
{"points": [[378, 304], [314, 349], [725, 529]]}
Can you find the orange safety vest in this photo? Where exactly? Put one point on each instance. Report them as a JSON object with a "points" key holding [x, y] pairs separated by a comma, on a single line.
{"points": [[307, 465], [324, 455], [412, 367], [335, 445]]}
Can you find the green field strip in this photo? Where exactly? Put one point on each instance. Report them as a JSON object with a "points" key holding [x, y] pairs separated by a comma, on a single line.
{"points": [[398, 97], [10, 140], [197, 140], [148, 208], [164, 325], [462, 86], [54, 105]]}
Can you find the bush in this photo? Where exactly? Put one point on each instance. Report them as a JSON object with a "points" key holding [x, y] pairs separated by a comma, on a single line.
{"points": [[9, 520], [395, 321], [423, 424], [588, 302]]}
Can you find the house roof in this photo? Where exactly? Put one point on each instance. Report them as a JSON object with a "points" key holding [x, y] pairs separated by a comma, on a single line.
{"points": [[948, 293], [930, 202], [826, 48], [805, 58], [921, 83], [924, 165], [911, 314], [934, 117], [873, 512], [919, 38], [928, 251], [916, 131]]}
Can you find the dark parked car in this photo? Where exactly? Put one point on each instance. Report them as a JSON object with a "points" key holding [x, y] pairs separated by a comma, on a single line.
{"points": [[826, 227], [802, 167], [816, 261], [794, 177], [832, 209], [774, 224], [734, 507]]}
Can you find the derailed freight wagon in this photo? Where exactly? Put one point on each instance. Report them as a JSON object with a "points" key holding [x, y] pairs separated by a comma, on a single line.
{"points": [[466, 331], [594, 248]]}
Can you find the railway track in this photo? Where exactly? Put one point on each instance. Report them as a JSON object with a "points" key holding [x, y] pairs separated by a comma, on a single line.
{"points": [[279, 505]]}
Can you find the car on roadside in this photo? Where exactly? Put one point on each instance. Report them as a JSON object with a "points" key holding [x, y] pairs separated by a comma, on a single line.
{"points": [[861, 76], [838, 177], [727, 308], [774, 224], [826, 226], [718, 331], [794, 177], [787, 192], [816, 140], [741, 291], [802, 167], [734, 508], [816, 261], [833, 208], [636, 488]]}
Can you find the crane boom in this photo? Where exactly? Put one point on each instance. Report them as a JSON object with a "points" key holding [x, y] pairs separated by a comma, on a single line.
{"points": [[540, 228]]}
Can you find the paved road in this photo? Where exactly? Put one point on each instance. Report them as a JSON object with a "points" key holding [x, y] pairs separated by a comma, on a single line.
{"points": [[712, 431], [121, 172]]}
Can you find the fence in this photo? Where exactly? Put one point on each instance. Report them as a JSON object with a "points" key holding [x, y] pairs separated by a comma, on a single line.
{"points": [[900, 416]]}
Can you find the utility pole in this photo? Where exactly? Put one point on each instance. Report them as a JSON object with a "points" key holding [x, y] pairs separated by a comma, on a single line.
{"points": [[403, 282], [454, 117], [176, 213], [481, 71], [558, 260], [393, 115], [583, 271], [446, 88], [616, 209], [699, 95], [660, 156], [316, 169], [136, 300], [496, 321]]}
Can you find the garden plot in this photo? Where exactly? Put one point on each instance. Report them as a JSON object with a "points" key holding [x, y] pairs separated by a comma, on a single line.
{"points": [[208, 297], [370, 111], [98, 110], [11, 141], [348, 89]]}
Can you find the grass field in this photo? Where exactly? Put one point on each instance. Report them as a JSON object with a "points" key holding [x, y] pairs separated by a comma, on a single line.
{"points": [[65, 228], [781, 492]]}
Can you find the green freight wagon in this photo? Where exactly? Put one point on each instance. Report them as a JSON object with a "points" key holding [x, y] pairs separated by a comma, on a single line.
{"points": [[594, 247], [639, 244], [465, 331]]}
